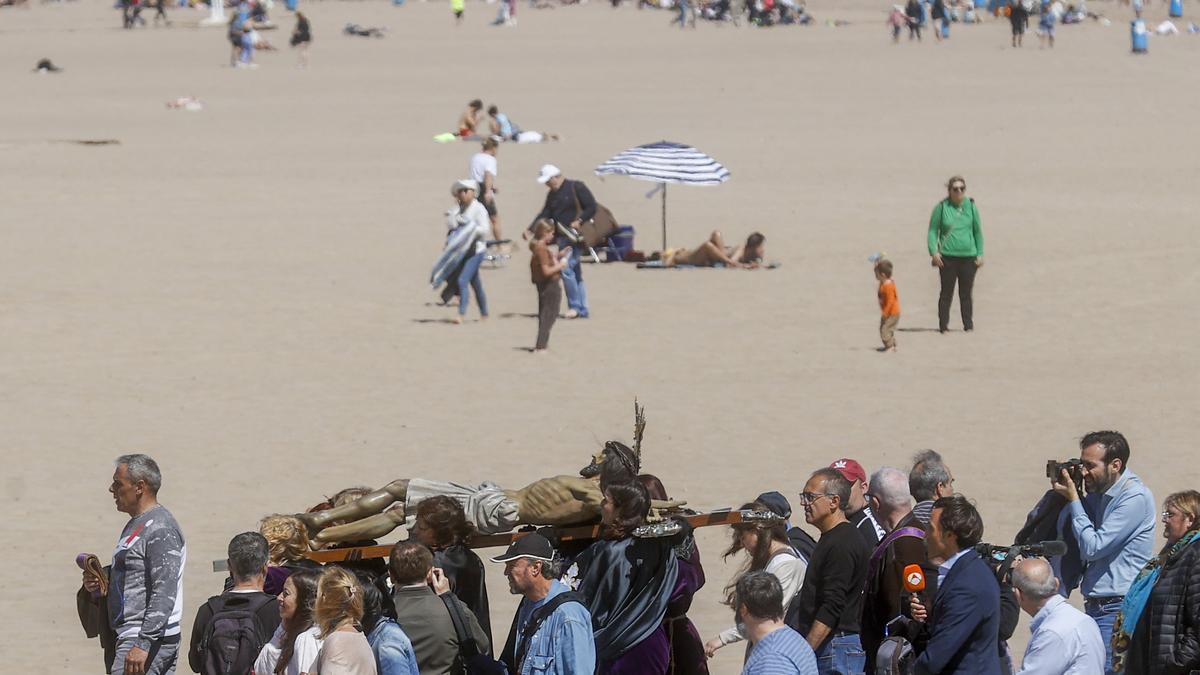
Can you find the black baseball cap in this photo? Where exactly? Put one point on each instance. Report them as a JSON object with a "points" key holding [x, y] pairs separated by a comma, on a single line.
{"points": [[777, 503], [533, 546]]}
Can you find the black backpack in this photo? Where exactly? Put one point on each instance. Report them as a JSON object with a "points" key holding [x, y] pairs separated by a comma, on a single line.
{"points": [[234, 635]]}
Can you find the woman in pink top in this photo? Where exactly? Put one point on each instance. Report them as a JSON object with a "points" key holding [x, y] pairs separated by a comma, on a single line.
{"points": [[338, 613]]}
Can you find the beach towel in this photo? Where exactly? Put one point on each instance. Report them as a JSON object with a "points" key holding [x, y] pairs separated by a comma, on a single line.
{"points": [[459, 244], [660, 265]]}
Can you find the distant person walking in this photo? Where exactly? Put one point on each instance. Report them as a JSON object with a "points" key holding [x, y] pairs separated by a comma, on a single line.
{"points": [[457, 6], [1046, 23], [955, 242], [468, 212], [913, 11], [160, 12], [302, 38], [1018, 16]]}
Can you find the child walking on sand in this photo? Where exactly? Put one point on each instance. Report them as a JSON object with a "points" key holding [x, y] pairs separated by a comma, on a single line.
{"points": [[546, 273], [889, 305]]}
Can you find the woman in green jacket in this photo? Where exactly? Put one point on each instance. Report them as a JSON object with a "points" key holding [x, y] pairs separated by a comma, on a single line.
{"points": [[956, 249]]}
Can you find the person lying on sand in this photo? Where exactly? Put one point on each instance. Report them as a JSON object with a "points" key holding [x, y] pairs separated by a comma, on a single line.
{"points": [[713, 251]]}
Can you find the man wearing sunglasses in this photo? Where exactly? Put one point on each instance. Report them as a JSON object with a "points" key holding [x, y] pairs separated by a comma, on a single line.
{"points": [[831, 595], [956, 248]]}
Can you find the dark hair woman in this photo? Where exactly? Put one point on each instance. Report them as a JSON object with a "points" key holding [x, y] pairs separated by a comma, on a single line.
{"points": [[955, 242], [294, 647], [627, 584], [769, 550], [393, 650], [442, 526]]}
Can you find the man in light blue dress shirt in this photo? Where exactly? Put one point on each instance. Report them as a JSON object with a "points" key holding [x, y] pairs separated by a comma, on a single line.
{"points": [[1064, 640], [1113, 526], [562, 643]]}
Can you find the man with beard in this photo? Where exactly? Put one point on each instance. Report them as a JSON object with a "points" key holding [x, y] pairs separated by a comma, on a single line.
{"points": [[560, 500], [552, 630]]}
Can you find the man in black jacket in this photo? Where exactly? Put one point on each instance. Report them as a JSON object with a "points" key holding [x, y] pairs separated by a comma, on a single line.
{"points": [[570, 203], [248, 566], [831, 596]]}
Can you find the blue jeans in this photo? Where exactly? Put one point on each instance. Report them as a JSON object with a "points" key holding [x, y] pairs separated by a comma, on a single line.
{"points": [[1105, 616], [841, 655], [468, 279], [572, 276]]}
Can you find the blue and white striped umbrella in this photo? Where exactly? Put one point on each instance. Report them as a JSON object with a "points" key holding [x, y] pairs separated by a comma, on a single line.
{"points": [[666, 162]]}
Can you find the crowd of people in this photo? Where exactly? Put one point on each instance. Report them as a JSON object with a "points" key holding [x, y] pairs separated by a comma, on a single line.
{"points": [[897, 580]]}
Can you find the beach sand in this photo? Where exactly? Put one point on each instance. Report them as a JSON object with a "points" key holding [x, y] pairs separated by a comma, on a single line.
{"points": [[241, 292]]}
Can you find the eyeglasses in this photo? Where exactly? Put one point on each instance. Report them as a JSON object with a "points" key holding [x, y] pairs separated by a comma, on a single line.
{"points": [[807, 498], [958, 188]]}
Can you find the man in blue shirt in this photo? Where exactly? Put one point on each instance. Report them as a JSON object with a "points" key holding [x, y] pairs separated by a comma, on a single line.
{"points": [[777, 649], [1113, 526], [552, 631]]}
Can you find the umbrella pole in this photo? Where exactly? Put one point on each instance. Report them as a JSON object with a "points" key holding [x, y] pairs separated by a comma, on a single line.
{"points": [[664, 216]]}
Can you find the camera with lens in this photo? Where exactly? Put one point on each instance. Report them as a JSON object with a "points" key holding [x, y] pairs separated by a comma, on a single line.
{"points": [[1073, 467]]}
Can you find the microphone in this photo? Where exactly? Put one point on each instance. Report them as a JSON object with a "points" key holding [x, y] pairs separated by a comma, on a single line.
{"points": [[1049, 549], [914, 579]]}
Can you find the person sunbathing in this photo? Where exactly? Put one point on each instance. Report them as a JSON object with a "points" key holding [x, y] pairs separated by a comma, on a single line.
{"points": [[714, 252]]}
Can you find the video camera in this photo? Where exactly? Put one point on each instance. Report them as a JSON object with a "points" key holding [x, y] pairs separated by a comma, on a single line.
{"points": [[1001, 558], [1073, 467]]}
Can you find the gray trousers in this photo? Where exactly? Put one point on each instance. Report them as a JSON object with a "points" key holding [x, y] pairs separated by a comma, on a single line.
{"points": [[162, 657]]}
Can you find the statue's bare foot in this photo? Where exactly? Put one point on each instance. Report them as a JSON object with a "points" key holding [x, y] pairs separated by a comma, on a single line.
{"points": [[311, 522]]}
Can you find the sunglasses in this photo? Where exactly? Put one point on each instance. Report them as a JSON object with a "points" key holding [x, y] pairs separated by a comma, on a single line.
{"points": [[958, 188], [812, 497]]}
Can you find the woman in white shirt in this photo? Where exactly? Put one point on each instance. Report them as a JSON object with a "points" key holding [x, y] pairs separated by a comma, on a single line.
{"points": [[769, 550], [294, 647], [469, 213]]}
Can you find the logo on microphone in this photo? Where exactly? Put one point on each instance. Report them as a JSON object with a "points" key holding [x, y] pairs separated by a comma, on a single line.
{"points": [[915, 578]]}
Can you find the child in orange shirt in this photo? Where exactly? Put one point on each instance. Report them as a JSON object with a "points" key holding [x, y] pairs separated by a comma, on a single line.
{"points": [[889, 305]]}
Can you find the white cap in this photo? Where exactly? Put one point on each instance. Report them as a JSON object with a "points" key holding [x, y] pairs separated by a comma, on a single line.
{"points": [[464, 184], [548, 171]]}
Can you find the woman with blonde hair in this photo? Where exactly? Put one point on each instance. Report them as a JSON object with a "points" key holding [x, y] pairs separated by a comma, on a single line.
{"points": [[287, 539], [294, 646], [1158, 629], [338, 615]]}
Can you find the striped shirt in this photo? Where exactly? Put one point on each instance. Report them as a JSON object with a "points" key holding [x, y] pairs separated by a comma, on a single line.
{"points": [[781, 652]]}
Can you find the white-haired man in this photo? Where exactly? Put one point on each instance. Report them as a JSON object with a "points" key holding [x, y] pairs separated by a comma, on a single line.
{"points": [[883, 593], [1065, 640], [145, 589]]}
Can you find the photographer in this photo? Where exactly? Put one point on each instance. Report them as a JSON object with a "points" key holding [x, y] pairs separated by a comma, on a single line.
{"points": [[964, 620], [1113, 526]]}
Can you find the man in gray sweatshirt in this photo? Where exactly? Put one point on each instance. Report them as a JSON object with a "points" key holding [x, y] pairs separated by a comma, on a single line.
{"points": [[145, 594]]}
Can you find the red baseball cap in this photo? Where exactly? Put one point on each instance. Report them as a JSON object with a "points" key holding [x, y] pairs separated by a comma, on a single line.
{"points": [[850, 470]]}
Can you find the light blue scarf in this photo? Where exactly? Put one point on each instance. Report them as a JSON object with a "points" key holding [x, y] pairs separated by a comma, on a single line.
{"points": [[1138, 597]]}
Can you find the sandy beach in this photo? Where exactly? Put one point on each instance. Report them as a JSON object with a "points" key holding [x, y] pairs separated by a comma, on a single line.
{"points": [[241, 292]]}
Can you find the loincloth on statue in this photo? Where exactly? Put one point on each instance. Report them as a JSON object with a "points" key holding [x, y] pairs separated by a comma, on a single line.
{"points": [[486, 504]]}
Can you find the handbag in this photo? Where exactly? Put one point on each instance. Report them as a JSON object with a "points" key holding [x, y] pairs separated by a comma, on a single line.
{"points": [[596, 231]]}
